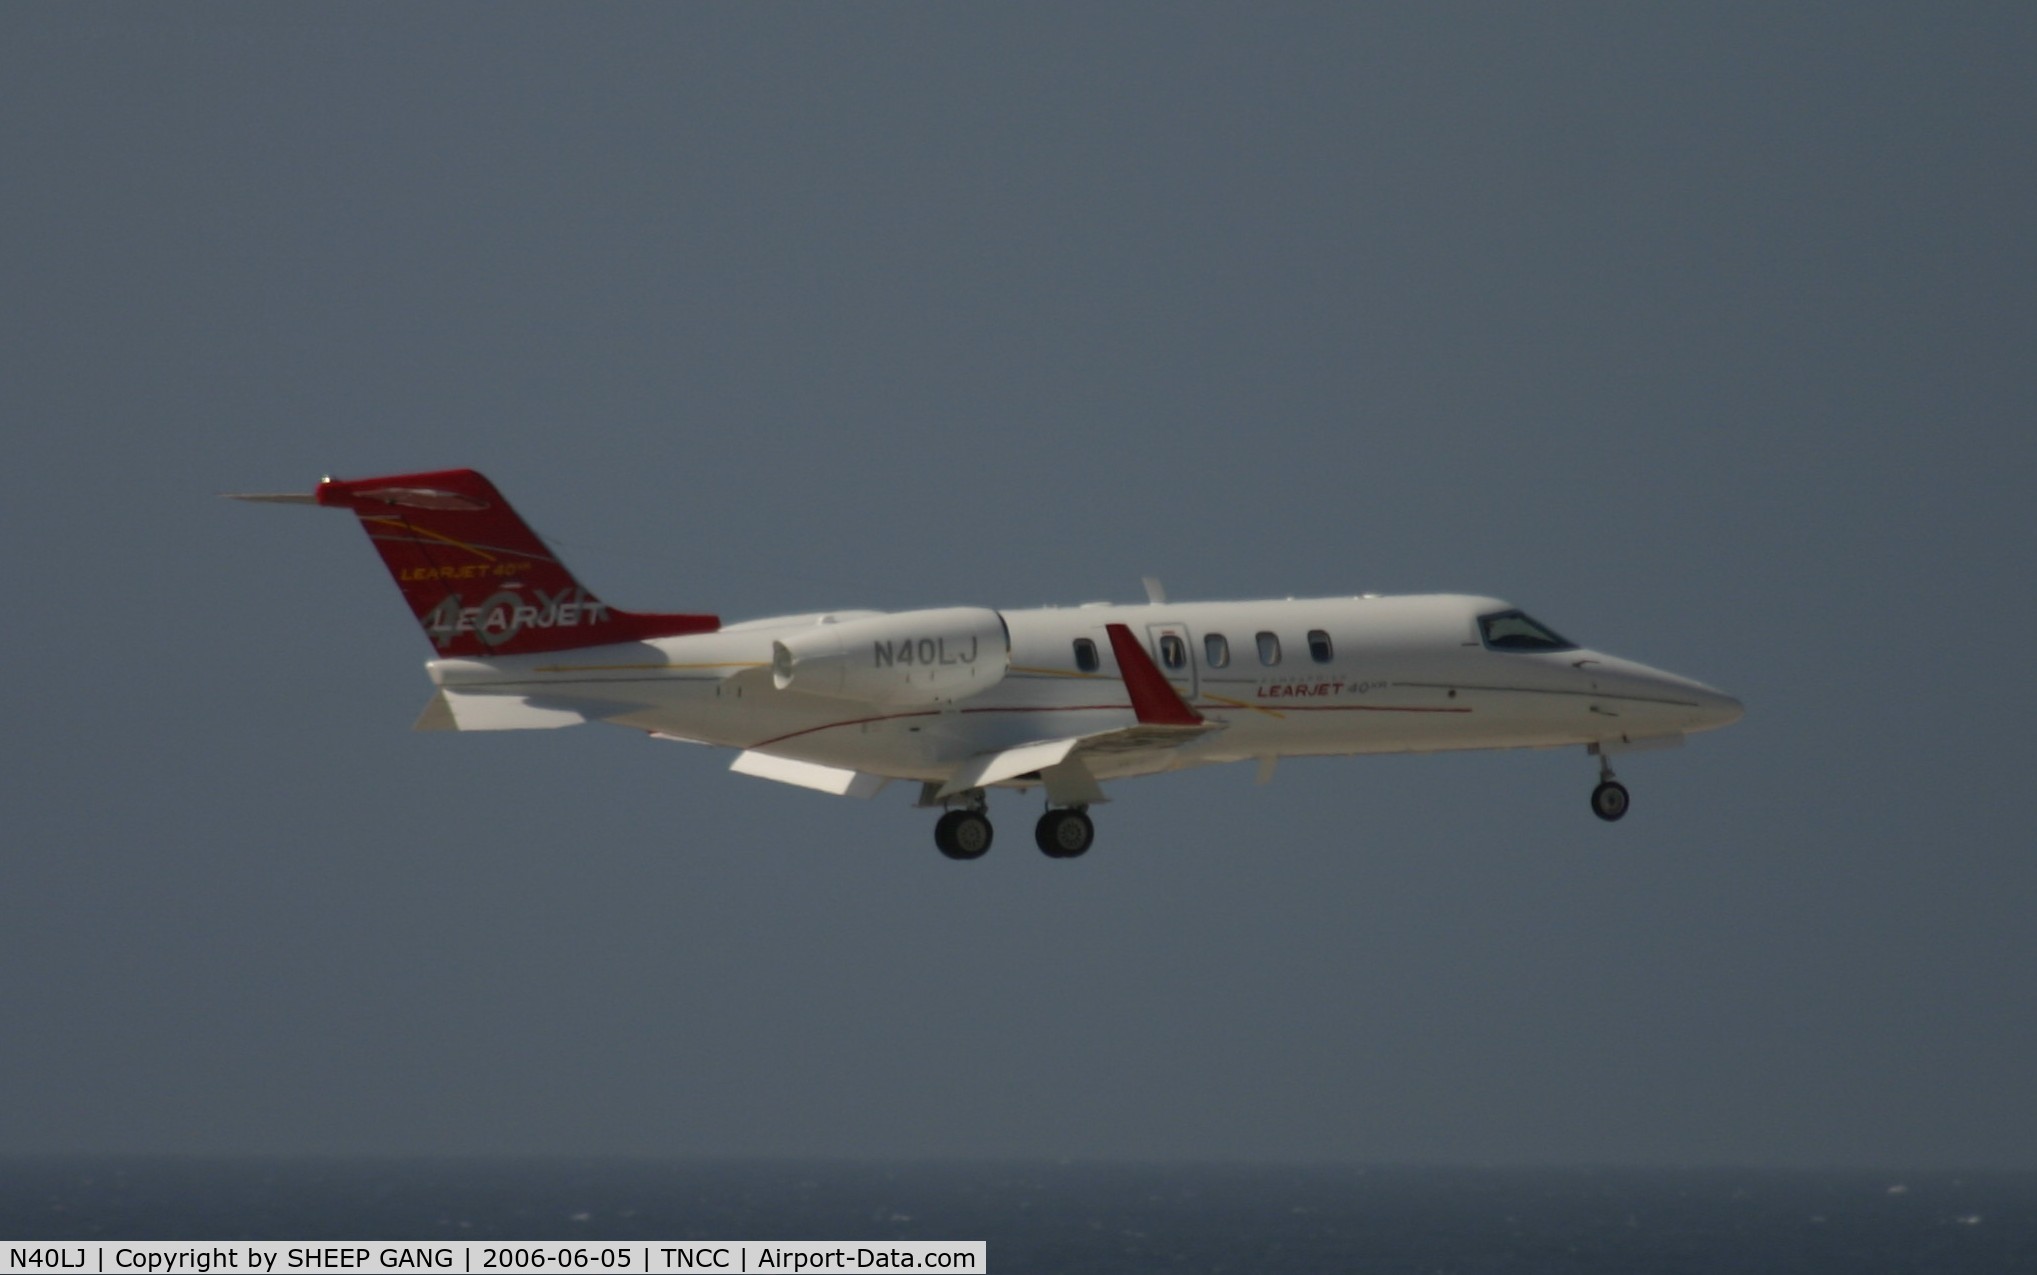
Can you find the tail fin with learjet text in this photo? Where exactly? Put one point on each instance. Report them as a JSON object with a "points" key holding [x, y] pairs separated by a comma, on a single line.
{"points": [[477, 578]]}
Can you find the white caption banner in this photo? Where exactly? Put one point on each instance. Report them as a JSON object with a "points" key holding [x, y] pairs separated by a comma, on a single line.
{"points": [[502, 1257]]}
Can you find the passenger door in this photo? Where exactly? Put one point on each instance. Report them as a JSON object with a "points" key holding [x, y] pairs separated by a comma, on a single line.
{"points": [[1174, 652]]}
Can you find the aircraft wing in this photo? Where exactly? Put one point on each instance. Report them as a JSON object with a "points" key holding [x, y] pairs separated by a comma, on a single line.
{"points": [[1062, 764], [1165, 722]]}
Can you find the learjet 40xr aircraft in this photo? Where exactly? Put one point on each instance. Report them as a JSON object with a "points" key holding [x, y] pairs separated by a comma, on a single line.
{"points": [[965, 699]]}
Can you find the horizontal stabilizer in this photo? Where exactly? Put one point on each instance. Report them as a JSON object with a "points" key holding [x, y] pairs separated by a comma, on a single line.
{"points": [[805, 774], [452, 710]]}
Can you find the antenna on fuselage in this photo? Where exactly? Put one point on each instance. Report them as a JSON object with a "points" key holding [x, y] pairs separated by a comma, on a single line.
{"points": [[1154, 593]]}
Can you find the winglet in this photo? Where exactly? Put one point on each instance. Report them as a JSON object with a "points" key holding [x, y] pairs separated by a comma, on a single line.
{"points": [[1154, 698]]}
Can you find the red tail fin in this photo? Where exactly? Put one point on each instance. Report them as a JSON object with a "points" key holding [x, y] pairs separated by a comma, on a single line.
{"points": [[478, 579]]}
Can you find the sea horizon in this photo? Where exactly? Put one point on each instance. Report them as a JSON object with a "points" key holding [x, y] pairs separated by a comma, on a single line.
{"points": [[1094, 1216]]}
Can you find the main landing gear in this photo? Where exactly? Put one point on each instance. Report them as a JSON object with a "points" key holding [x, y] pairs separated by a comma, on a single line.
{"points": [[965, 832], [1064, 834], [1608, 800]]}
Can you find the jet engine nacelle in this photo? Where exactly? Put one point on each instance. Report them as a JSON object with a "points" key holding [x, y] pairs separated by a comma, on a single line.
{"points": [[911, 657]]}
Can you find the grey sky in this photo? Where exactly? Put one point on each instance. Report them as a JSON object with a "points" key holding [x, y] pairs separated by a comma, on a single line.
{"points": [[1704, 332]]}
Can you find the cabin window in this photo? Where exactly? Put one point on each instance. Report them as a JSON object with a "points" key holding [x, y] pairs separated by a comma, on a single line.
{"points": [[1085, 655], [1514, 631], [1319, 646], [1173, 651], [1269, 649], [1216, 651]]}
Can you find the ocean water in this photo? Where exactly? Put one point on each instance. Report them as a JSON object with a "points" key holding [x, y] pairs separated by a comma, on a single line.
{"points": [[1082, 1217]]}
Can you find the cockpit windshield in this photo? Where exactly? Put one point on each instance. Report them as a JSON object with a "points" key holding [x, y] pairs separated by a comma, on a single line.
{"points": [[1514, 631]]}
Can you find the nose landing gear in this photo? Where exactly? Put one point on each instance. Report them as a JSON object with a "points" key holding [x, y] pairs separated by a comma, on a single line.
{"points": [[1609, 800]]}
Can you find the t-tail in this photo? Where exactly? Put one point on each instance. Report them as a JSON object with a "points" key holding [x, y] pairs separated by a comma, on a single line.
{"points": [[477, 578]]}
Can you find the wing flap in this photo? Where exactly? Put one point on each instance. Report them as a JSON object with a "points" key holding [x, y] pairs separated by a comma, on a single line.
{"points": [[1143, 738], [838, 780], [990, 768], [1066, 756]]}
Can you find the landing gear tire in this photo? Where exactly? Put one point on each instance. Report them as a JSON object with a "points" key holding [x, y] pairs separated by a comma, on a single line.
{"points": [[1064, 834], [963, 834], [1609, 800]]}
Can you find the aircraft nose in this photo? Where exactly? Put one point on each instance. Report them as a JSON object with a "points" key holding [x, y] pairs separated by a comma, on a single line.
{"points": [[1687, 706], [1716, 709]]}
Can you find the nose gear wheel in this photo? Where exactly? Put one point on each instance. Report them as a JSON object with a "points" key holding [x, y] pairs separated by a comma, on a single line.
{"points": [[1609, 800]]}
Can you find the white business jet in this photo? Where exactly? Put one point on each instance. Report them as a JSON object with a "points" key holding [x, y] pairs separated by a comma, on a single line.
{"points": [[966, 699]]}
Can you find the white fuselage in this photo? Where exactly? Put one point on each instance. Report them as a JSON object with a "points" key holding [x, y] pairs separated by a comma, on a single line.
{"points": [[910, 695]]}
